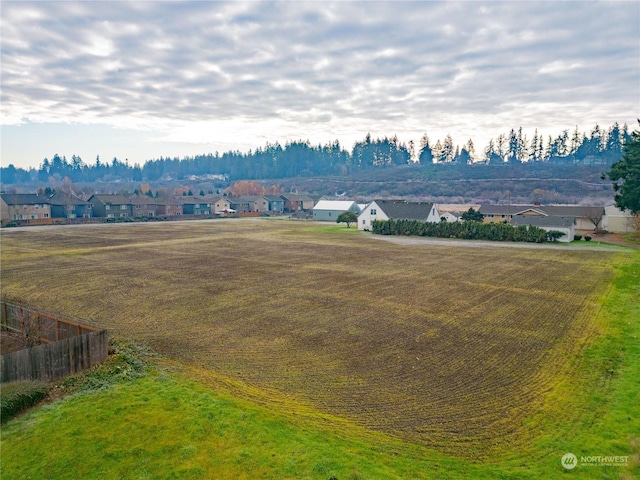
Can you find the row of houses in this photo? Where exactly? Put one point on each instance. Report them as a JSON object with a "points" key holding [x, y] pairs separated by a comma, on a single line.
{"points": [[568, 219], [34, 207]]}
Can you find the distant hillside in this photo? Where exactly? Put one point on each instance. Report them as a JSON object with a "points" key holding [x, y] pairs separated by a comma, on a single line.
{"points": [[445, 183], [541, 182]]}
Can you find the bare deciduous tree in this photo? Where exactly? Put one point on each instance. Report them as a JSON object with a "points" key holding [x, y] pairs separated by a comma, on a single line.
{"points": [[594, 215]]}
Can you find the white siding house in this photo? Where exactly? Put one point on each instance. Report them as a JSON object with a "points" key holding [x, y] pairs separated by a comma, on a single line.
{"points": [[617, 221], [397, 209], [328, 210], [565, 225]]}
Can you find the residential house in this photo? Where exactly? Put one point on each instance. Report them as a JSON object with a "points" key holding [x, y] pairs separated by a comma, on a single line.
{"points": [[618, 221], [452, 212], [250, 203], [565, 225], [111, 206], [23, 206], [586, 216], [396, 210], [169, 207], [196, 206], [276, 203], [328, 210], [450, 217], [240, 204], [222, 205], [145, 206], [64, 205], [294, 202]]}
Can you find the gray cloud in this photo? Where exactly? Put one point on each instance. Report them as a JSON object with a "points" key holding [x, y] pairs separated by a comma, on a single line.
{"points": [[320, 67]]}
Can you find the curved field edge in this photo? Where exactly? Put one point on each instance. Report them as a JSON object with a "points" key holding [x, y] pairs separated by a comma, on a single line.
{"points": [[175, 422]]}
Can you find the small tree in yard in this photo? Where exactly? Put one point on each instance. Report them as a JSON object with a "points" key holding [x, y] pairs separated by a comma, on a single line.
{"points": [[348, 218], [472, 215], [595, 214]]}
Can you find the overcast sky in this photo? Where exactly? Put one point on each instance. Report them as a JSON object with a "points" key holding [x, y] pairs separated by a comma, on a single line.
{"points": [[137, 80]]}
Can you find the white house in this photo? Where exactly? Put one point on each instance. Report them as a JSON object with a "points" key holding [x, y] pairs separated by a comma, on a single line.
{"points": [[565, 225], [396, 210], [328, 210], [617, 221], [450, 217]]}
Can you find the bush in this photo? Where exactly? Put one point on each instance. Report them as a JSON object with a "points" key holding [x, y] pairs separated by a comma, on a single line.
{"points": [[577, 237], [18, 396], [587, 238]]}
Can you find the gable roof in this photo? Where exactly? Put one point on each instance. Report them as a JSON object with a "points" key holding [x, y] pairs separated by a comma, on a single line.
{"points": [[294, 197], [274, 198], [401, 209], [245, 198], [23, 199], [61, 198], [537, 210], [550, 221], [551, 210], [341, 205], [111, 199]]}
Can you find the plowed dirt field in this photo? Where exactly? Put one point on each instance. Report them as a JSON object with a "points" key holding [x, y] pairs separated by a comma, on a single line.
{"points": [[446, 346]]}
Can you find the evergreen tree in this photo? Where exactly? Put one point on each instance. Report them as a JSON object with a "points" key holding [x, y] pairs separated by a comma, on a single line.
{"points": [[425, 156], [448, 151], [625, 176], [438, 152]]}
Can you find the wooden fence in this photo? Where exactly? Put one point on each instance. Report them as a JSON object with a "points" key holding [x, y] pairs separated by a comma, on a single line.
{"points": [[66, 346]]}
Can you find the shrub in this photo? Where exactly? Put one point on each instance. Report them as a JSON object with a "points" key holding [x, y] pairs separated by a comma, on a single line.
{"points": [[587, 238], [577, 237], [554, 235], [18, 396]]}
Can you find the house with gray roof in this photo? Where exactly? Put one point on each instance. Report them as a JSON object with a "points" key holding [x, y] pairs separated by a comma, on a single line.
{"points": [[65, 205], [329, 210], [294, 202], [23, 206], [396, 210], [562, 224], [276, 203], [586, 216], [111, 206]]}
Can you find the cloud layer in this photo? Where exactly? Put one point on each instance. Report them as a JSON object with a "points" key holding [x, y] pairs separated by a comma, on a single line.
{"points": [[243, 73]]}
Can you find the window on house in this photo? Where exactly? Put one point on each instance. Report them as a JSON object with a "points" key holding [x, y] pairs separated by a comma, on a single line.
{"points": [[46, 215], [123, 207], [107, 207], [373, 211], [364, 222]]}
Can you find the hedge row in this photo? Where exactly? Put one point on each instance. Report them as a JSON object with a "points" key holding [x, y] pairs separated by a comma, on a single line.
{"points": [[18, 396], [501, 232]]}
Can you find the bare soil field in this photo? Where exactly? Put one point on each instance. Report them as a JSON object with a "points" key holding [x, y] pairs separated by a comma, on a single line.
{"points": [[442, 345]]}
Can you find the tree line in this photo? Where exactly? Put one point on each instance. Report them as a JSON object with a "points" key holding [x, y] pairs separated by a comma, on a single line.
{"points": [[302, 159]]}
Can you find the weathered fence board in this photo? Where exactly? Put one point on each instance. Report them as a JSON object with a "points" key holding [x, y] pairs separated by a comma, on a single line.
{"points": [[72, 346]]}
